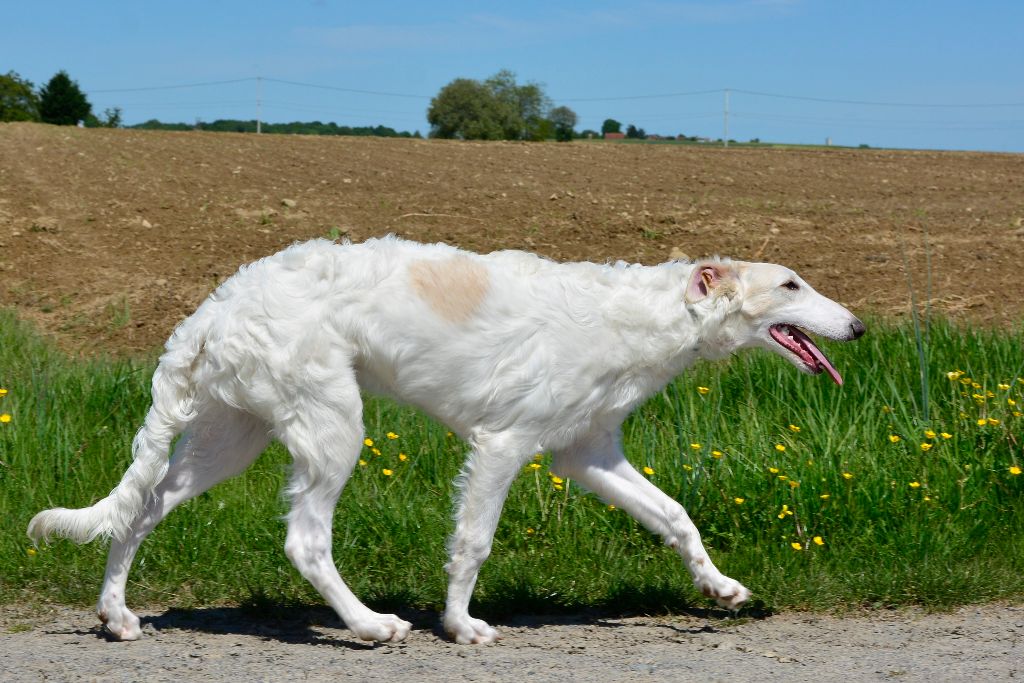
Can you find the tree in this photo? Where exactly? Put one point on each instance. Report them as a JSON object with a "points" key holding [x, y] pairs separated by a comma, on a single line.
{"points": [[564, 120], [611, 126], [634, 133], [496, 109], [62, 102], [18, 101], [466, 109]]}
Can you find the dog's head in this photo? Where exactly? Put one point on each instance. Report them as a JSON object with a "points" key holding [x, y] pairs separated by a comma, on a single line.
{"points": [[763, 305]]}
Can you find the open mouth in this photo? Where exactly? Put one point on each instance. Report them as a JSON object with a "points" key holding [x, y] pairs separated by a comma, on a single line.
{"points": [[799, 344]]}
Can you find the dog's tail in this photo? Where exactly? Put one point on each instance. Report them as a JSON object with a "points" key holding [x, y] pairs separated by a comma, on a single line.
{"points": [[174, 406]]}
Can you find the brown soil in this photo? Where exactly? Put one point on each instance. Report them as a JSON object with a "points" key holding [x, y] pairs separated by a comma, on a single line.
{"points": [[109, 237]]}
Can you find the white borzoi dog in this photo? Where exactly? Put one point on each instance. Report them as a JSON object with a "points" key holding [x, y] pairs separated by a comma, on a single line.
{"points": [[515, 353]]}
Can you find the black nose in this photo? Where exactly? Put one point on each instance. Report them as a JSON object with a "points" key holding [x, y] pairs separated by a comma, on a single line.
{"points": [[857, 329]]}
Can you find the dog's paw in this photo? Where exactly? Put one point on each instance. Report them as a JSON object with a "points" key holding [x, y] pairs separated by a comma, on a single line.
{"points": [[470, 631], [728, 593], [119, 623], [381, 628]]}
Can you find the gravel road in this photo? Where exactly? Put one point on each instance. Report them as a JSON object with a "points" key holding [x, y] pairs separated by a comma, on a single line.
{"points": [[226, 644]]}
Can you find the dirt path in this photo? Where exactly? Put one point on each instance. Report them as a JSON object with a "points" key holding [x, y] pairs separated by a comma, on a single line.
{"points": [[979, 643]]}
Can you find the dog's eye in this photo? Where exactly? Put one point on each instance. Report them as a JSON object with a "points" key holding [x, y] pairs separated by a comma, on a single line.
{"points": [[791, 285]]}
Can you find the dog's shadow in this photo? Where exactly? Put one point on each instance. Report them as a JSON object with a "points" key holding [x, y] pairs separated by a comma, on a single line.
{"points": [[291, 623]]}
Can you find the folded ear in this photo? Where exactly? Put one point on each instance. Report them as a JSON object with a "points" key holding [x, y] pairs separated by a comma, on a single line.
{"points": [[710, 278]]}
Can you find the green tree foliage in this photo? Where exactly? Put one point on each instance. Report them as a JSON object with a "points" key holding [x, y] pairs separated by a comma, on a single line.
{"points": [[18, 101], [564, 120], [62, 102], [611, 126], [467, 109], [496, 109], [634, 133]]}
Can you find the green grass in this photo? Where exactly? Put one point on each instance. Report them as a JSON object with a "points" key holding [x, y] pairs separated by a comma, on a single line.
{"points": [[954, 538]]}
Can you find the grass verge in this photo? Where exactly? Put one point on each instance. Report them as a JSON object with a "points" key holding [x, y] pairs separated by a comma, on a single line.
{"points": [[813, 495]]}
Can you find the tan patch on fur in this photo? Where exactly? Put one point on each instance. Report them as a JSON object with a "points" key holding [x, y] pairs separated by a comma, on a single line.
{"points": [[453, 287]]}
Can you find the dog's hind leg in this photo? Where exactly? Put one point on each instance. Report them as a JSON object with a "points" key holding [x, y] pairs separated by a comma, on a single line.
{"points": [[483, 486], [323, 430], [601, 467], [220, 443]]}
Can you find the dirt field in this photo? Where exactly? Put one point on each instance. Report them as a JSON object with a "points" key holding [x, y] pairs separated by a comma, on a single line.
{"points": [[109, 237]]}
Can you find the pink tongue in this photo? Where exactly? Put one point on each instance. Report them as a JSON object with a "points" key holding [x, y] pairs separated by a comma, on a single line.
{"points": [[822, 361]]}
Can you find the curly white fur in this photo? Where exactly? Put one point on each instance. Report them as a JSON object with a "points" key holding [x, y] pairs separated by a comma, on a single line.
{"points": [[516, 353]]}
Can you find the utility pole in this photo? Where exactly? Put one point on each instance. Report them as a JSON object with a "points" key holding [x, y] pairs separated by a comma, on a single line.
{"points": [[259, 102], [725, 120]]}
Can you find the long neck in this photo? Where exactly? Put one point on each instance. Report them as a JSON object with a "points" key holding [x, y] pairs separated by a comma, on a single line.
{"points": [[656, 333]]}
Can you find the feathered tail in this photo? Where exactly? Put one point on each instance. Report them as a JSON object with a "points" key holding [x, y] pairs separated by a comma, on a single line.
{"points": [[173, 408]]}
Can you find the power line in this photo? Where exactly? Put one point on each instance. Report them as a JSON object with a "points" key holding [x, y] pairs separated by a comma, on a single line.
{"points": [[880, 104], [351, 90], [174, 87]]}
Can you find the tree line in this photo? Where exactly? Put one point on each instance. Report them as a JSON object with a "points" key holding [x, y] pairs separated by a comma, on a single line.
{"points": [[59, 102], [497, 108]]}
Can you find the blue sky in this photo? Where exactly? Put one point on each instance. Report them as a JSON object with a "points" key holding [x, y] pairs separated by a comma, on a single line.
{"points": [[867, 60]]}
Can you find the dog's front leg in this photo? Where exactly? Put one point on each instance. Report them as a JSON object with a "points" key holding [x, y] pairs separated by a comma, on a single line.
{"points": [[600, 466], [483, 486]]}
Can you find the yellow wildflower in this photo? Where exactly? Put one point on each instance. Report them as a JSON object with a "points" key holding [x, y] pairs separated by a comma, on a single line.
{"points": [[375, 451], [534, 466], [793, 483], [703, 391], [3, 392], [926, 447], [785, 511], [796, 546], [818, 540], [716, 454], [955, 375], [915, 484], [825, 496], [386, 472], [1010, 402], [738, 500], [556, 480], [946, 435], [362, 463], [529, 530], [847, 476], [894, 438], [687, 468], [929, 434], [1003, 386], [783, 477], [5, 418], [780, 448], [29, 551], [392, 435], [773, 470], [559, 487], [695, 446], [982, 422], [611, 507], [403, 457], [368, 442], [993, 421], [794, 428], [1014, 470], [886, 409], [649, 470]]}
